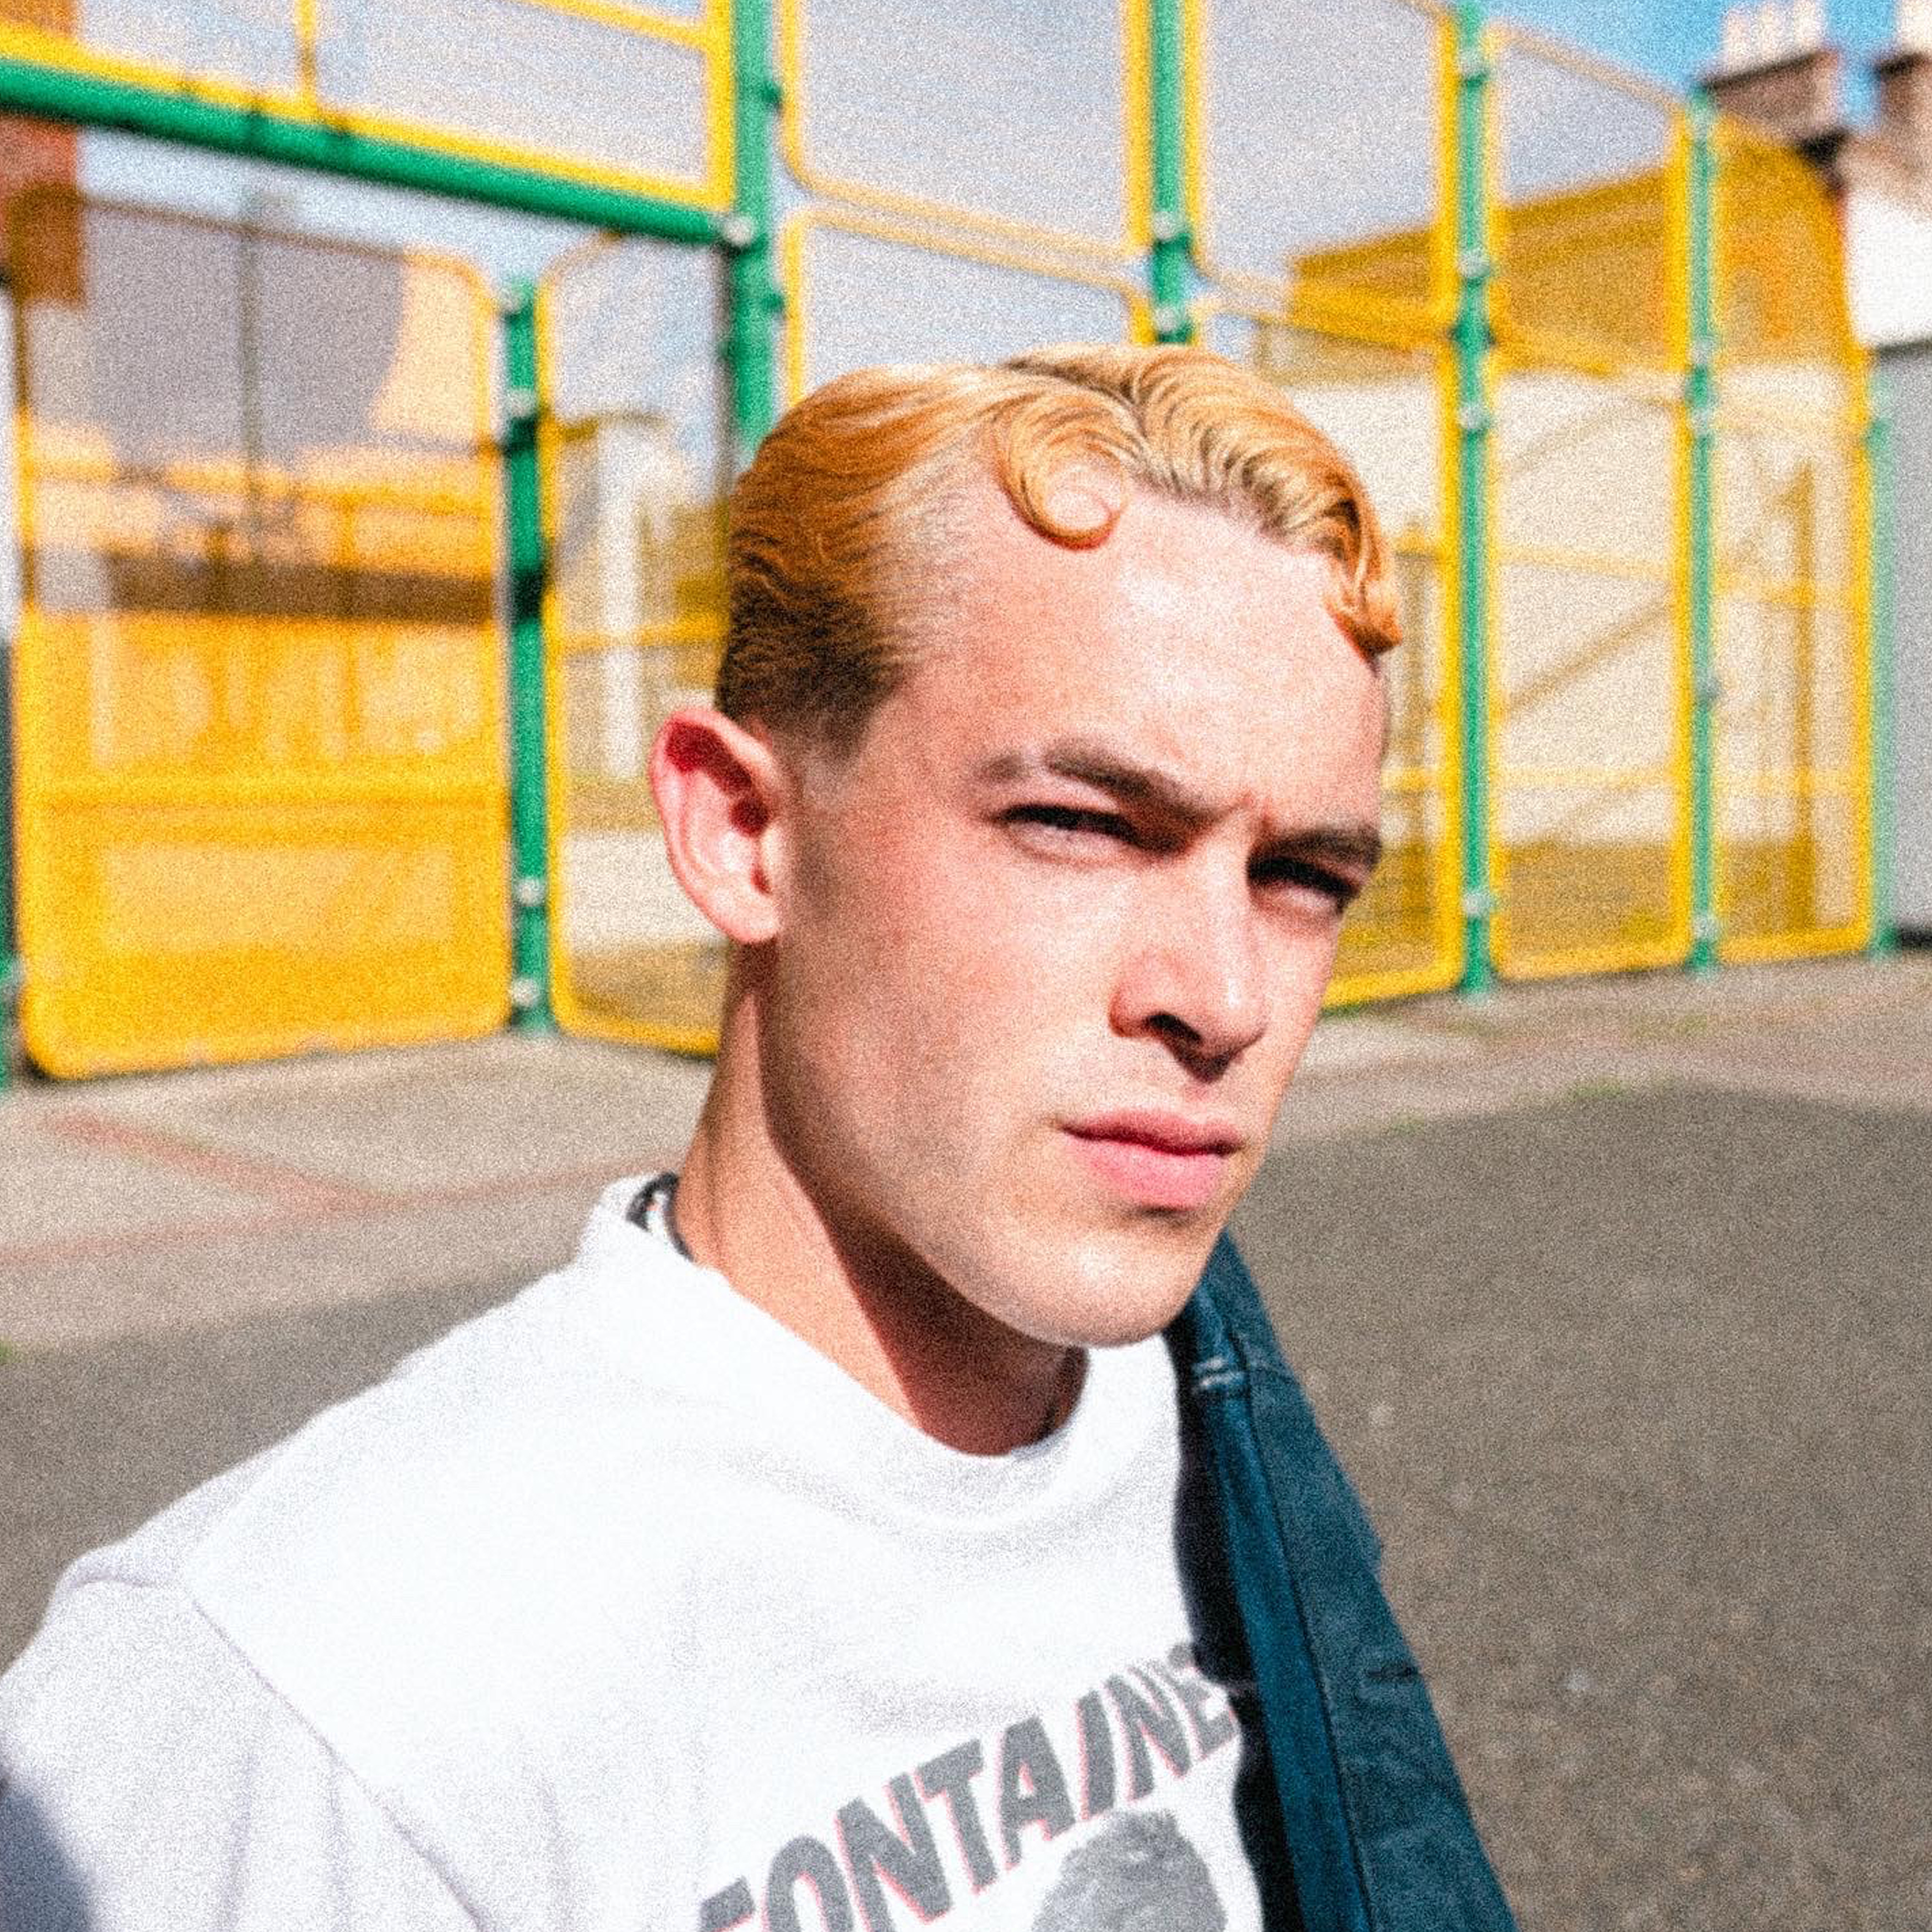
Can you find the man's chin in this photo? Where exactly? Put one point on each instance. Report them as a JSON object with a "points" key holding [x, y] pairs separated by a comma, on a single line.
{"points": [[1104, 1293]]}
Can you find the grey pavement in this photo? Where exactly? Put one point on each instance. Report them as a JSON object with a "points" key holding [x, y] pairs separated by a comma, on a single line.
{"points": [[1612, 1294]]}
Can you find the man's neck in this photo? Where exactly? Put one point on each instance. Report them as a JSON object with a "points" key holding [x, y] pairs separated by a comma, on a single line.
{"points": [[893, 1325]]}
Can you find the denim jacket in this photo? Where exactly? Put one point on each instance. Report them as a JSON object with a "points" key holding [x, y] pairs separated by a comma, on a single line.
{"points": [[1378, 1833]]}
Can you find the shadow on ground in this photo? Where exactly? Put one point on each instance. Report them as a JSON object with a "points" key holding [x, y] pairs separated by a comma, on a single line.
{"points": [[1637, 1387]]}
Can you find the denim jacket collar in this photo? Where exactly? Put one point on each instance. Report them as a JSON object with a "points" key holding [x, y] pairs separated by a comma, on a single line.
{"points": [[1378, 1832]]}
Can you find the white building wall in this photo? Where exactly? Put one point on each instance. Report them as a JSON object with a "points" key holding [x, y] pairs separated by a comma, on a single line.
{"points": [[1888, 246]]}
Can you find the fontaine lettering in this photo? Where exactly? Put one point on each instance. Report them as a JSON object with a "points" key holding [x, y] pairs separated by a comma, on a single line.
{"points": [[936, 1848]]}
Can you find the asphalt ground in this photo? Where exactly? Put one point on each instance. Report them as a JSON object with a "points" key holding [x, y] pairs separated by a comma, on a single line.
{"points": [[1613, 1296]]}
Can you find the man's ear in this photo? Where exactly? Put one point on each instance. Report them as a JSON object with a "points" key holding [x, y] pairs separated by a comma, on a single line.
{"points": [[720, 791]]}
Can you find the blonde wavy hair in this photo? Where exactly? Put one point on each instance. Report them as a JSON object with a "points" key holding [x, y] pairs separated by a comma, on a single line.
{"points": [[841, 530]]}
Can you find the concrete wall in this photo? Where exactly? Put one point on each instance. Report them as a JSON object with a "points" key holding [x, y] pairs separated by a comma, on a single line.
{"points": [[1908, 372]]}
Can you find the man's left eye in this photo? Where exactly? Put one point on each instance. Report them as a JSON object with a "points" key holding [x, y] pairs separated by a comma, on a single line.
{"points": [[1073, 819], [1340, 891]]}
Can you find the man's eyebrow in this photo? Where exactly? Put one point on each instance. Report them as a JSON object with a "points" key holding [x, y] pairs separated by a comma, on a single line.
{"points": [[1357, 846], [1105, 770]]}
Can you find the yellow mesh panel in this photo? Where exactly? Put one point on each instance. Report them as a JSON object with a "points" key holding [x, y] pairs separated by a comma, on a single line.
{"points": [[1790, 874], [1383, 405], [1588, 225], [1589, 681], [258, 667], [1300, 110], [1793, 771], [1784, 323], [635, 482], [1588, 678], [609, 90], [1005, 115]]}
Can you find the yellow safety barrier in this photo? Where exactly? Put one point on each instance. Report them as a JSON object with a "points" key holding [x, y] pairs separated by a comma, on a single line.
{"points": [[1589, 671], [1793, 773], [1785, 338], [635, 478], [1024, 126], [1589, 676], [1280, 202], [1793, 778], [1386, 404], [260, 802], [556, 85]]}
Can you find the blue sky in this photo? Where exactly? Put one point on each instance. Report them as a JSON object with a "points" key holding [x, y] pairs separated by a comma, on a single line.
{"points": [[1677, 40]]}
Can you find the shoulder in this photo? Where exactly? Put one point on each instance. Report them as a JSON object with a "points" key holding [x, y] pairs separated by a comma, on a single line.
{"points": [[455, 1536], [456, 1591], [148, 1776]]}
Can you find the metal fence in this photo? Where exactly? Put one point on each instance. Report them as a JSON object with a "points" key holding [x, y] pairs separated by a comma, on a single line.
{"points": [[635, 465], [257, 712], [1589, 347], [1592, 830]]}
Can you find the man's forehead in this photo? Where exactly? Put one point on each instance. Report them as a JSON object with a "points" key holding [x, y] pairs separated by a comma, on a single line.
{"points": [[1157, 557], [1190, 643]]}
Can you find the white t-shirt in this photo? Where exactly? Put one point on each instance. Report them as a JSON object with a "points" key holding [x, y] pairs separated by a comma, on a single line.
{"points": [[621, 1606]]}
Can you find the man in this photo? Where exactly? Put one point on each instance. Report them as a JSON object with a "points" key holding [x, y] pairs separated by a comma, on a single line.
{"points": [[838, 1543]]}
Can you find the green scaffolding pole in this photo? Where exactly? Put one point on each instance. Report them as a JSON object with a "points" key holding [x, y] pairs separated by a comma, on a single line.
{"points": [[529, 805], [1473, 417], [56, 93], [1700, 397], [756, 303], [1879, 470], [1169, 267]]}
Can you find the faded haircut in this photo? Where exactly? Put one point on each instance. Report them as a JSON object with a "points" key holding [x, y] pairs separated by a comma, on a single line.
{"points": [[844, 530]]}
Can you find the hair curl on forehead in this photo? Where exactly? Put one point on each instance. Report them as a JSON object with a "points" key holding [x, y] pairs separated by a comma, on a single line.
{"points": [[846, 530]]}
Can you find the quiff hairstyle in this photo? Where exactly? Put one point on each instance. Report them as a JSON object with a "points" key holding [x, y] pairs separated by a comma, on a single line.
{"points": [[842, 528]]}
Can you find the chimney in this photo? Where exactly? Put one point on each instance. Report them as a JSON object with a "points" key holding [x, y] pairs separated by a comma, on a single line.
{"points": [[1777, 68], [1904, 77]]}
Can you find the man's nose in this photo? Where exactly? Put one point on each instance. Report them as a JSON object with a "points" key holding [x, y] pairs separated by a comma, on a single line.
{"points": [[1195, 975]]}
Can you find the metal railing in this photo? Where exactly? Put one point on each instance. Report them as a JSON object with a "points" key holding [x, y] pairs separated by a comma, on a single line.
{"points": [[1489, 326]]}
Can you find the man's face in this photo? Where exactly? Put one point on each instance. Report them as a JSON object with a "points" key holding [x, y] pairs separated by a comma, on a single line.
{"points": [[1054, 938]]}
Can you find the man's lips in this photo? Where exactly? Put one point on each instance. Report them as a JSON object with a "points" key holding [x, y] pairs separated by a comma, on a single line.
{"points": [[1157, 1160]]}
